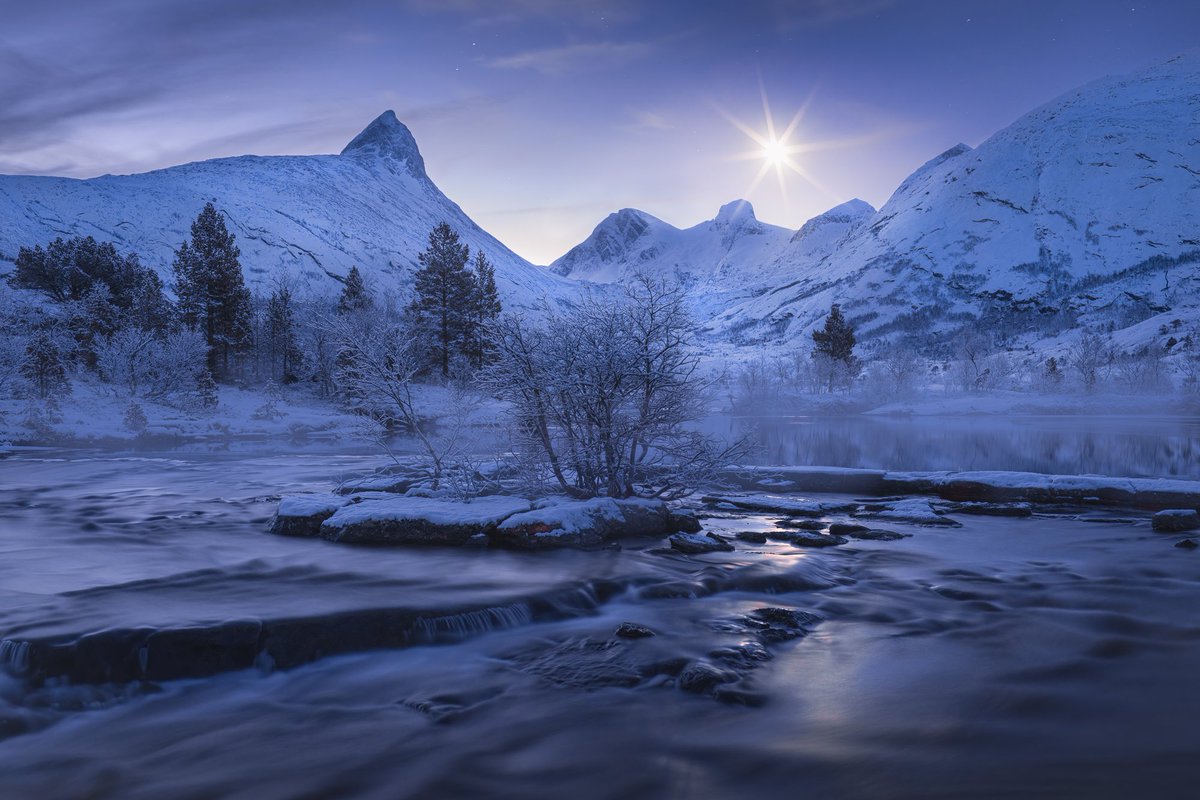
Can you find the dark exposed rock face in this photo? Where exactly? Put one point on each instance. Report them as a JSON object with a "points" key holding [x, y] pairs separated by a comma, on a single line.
{"points": [[754, 537], [1187, 544], [810, 539], [1175, 520], [700, 677], [684, 521], [846, 528], [801, 524], [878, 535], [786, 617], [631, 630]]}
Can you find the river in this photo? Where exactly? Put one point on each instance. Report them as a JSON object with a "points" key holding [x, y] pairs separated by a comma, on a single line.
{"points": [[1053, 656]]}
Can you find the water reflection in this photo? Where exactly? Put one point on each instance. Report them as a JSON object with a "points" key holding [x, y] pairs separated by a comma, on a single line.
{"points": [[1067, 445]]}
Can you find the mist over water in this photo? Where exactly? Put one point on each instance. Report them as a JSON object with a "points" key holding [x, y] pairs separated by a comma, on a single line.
{"points": [[1117, 445]]}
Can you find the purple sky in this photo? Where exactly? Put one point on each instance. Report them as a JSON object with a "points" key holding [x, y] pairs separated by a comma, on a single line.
{"points": [[541, 117]]}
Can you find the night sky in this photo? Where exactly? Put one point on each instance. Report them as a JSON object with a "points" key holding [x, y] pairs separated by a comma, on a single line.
{"points": [[542, 117]]}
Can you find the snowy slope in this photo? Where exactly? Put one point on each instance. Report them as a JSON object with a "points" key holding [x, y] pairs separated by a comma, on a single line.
{"points": [[723, 261], [310, 217], [1094, 183]]}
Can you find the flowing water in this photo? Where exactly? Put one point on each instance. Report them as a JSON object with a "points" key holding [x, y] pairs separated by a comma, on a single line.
{"points": [[1052, 656]]}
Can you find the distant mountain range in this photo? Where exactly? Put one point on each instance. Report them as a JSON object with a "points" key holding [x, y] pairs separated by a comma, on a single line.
{"points": [[1089, 204]]}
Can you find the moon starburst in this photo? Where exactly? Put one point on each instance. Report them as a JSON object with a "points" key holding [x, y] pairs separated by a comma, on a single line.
{"points": [[776, 148]]}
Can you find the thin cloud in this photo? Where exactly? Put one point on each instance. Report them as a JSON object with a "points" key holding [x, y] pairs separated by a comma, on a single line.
{"points": [[573, 57], [650, 121], [814, 13]]}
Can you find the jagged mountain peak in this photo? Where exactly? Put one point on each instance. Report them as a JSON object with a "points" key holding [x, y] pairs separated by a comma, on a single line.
{"points": [[736, 211], [387, 137], [309, 218], [843, 217]]}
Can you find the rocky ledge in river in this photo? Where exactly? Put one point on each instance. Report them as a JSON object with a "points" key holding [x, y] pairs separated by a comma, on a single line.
{"points": [[503, 521]]}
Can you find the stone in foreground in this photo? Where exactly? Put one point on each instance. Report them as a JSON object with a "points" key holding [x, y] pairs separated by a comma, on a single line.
{"points": [[1175, 520], [631, 630]]}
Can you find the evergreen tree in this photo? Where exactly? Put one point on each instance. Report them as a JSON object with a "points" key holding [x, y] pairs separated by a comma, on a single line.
{"points": [[206, 389], [484, 309], [67, 269], [149, 308], [836, 340], [44, 367], [833, 349], [91, 320], [212, 293], [134, 418], [444, 288], [282, 346], [354, 295]]}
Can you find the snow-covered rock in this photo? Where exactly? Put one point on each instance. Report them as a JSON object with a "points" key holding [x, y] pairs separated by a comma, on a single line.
{"points": [[915, 510], [309, 217], [586, 523], [697, 543], [302, 515], [418, 520]]}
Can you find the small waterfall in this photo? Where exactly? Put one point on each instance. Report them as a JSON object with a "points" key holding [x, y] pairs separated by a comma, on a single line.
{"points": [[574, 602], [14, 656], [469, 623]]}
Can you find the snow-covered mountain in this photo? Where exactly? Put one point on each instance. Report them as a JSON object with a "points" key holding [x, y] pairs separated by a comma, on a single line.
{"points": [[723, 261], [1090, 202], [310, 217]]}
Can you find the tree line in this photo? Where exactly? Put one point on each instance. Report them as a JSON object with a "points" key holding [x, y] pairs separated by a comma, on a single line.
{"points": [[112, 317]]}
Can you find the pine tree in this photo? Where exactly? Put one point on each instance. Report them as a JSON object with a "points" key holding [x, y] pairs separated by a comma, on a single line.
{"points": [[282, 346], [833, 347], [354, 295], [836, 341], [90, 321], [213, 297], [44, 367], [444, 287], [134, 418], [484, 309], [67, 269], [206, 389]]}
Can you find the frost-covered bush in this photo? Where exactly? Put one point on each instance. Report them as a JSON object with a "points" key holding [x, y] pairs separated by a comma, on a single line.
{"points": [[603, 397], [141, 363]]}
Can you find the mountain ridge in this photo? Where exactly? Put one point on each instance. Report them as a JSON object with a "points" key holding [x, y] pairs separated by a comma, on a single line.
{"points": [[306, 218]]}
